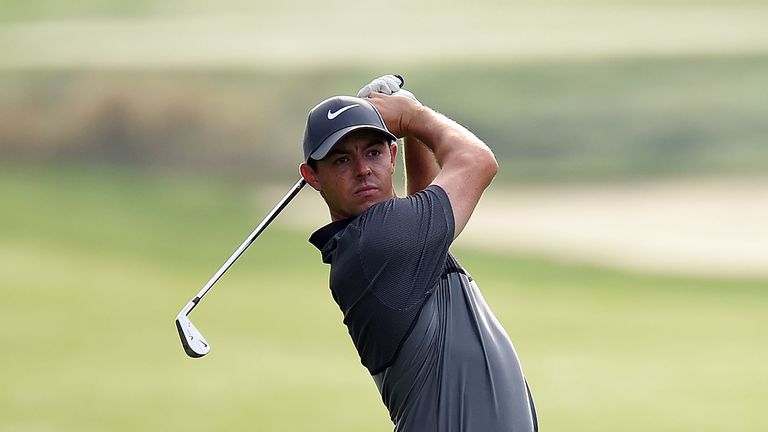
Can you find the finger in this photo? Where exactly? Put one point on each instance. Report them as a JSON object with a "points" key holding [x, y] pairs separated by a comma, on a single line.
{"points": [[386, 84], [382, 85], [374, 86], [365, 91], [393, 84]]}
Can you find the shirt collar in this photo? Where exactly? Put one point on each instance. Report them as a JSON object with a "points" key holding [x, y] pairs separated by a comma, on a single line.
{"points": [[322, 236]]}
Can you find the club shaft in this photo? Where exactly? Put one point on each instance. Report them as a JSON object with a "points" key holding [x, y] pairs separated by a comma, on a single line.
{"points": [[250, 239]]}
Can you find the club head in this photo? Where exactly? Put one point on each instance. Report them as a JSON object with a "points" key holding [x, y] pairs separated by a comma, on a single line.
{"points": [[194, 343]]}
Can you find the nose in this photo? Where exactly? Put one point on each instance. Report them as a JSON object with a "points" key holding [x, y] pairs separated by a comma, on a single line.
{"points": [[362, 167]]}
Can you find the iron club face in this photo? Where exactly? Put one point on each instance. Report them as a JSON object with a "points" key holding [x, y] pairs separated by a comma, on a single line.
{"points": [[194, 343]]}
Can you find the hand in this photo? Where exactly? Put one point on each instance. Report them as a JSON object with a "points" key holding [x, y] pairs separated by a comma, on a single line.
{"points": [[397, 112], [388, 85]]}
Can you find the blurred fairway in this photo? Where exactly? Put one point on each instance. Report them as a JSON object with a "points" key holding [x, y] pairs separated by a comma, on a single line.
{"points": [[96, 263]]}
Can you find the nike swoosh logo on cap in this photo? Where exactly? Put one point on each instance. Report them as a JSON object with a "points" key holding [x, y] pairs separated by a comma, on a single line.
{"points": [[333, 115]]}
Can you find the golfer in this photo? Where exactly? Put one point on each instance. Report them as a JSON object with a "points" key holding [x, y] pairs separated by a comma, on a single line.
{"points": [[439, 357]]}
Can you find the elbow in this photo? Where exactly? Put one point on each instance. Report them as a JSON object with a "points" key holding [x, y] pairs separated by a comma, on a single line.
{"points": [[487, 164], [480, 164], [493, 164]]}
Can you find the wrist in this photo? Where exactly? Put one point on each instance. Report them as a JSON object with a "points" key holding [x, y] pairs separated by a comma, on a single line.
{"points": [[417, 123], [413, 124]]}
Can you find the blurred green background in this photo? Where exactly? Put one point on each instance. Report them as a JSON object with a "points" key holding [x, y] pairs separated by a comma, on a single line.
{"points": [[141, 141]]}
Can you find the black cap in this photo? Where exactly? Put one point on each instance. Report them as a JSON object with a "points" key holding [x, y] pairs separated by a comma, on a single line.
{"points": [[334, 118]]}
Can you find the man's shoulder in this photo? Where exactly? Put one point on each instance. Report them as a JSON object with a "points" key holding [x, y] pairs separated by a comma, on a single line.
{"points": [[422, 203], [397, 224]]}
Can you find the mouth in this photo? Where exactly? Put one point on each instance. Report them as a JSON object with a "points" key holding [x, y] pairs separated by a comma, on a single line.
{"points": [[366, 191]]}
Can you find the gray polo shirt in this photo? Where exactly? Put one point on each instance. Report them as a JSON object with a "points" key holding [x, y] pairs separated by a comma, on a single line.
{"points": [[439, 357]]}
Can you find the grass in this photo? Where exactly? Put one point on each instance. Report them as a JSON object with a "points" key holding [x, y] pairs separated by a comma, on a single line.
{"points": [[97, 261]]}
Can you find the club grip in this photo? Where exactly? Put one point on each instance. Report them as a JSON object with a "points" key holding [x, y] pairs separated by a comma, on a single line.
{"points": [[402, 80]]}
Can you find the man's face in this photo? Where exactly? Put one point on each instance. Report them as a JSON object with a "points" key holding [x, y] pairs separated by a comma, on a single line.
{"points": [[356, 174]]}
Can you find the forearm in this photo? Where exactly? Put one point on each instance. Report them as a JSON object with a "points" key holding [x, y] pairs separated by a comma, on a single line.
{"points": [[449, 142], [420, 165]]}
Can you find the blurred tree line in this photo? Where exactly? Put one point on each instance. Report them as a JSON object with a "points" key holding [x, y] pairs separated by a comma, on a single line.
{"points": [[549, 120]]}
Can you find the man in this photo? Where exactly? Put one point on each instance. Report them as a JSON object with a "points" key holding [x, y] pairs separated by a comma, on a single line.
{"points": [[440, 359]]}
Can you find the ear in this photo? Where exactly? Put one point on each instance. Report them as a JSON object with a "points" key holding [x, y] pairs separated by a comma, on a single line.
{"points": [[310, 176]]}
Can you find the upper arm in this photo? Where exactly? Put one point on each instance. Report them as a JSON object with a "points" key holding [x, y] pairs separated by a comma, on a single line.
{"points": [[466, 164], [464, 176]]}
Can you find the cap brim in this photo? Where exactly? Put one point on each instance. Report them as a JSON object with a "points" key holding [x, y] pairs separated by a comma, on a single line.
{"points": [[327, 145]]}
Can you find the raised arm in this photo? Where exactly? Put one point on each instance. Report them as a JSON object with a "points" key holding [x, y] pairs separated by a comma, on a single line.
{"points": [[466, 164], [421, 167], [420, 164]]}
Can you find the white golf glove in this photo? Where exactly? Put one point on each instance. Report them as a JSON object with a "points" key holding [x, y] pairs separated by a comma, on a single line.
{"points": [[388, 85]]}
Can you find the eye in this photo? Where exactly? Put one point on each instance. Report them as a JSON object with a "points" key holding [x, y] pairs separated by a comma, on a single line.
{"points": [[374, 153], [340, 160]]}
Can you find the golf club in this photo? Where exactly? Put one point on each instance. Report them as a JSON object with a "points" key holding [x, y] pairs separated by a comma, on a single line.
{"points": [[194, 343]]}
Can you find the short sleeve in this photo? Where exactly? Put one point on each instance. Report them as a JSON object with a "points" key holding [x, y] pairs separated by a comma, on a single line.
{"points": [[404, 246]]}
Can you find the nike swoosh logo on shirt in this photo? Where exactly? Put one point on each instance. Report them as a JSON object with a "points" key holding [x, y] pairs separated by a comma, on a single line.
{"points": [[333, 115]]}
